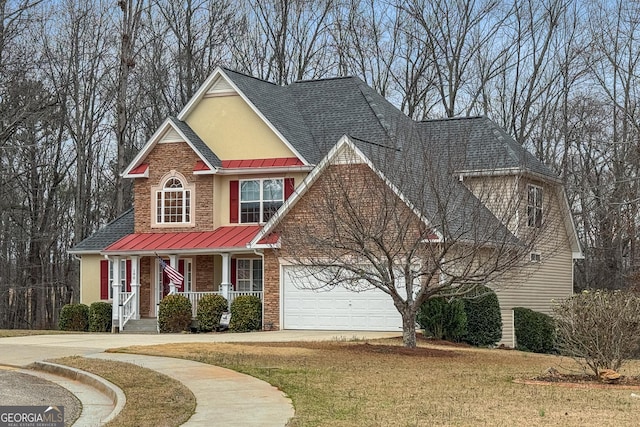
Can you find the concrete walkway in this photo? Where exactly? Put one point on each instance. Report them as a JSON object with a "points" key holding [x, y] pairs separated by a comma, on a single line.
{"points": [[222, 396]]}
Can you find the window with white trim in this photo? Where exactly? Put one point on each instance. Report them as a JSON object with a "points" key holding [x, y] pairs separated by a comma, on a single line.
{"points": [[122, 275], [534, 206], [173, 203], [535, 257], [260, 199], [249, 274]]}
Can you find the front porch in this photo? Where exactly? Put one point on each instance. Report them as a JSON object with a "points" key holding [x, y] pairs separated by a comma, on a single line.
{"points": [[140, 283]]}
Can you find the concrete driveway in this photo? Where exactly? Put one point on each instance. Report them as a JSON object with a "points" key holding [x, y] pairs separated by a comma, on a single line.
{"points": [[248, 401], [21, 351]]}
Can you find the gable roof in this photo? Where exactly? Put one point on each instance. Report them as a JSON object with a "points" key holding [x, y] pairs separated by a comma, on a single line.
{"points": [[486, 147], [105, 236], [205, 154]]}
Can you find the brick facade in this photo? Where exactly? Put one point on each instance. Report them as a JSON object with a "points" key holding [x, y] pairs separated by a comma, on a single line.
{"points": [[204, 281], [145, 287], [162, 159], [271, 295]]}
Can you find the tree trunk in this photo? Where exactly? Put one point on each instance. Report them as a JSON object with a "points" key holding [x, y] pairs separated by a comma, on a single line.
{"points": [[409, 328]]}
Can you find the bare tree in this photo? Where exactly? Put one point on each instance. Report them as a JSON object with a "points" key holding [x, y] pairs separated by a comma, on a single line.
{"points": [[284, 40], [406, 226]]}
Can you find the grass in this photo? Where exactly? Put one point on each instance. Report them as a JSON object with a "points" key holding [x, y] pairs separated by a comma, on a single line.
{"points": [[382, 384], [153, 399]]}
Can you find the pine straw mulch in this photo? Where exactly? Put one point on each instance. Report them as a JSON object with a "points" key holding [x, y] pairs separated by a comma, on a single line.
{"points": [[553, 377]]}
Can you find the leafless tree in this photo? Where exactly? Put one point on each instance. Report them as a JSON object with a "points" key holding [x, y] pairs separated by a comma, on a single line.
{"points": [[406, 226]]}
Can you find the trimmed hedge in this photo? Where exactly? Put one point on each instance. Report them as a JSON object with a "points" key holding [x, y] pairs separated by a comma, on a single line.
{"points": [[210, 308], [100, 317], [442, 319], [74, 317], [535, 331], [246, 314], [174, 313], [484, 321]]}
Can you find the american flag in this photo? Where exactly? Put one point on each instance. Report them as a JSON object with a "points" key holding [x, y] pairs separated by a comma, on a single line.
{"points": [[173, 274]]}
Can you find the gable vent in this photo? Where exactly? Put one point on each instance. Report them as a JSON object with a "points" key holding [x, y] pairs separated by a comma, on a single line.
{"points": [[171, 136], [220, 87], [346, 156]]}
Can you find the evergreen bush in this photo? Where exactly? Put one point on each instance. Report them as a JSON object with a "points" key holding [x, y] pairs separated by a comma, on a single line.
{"points": [[100, 317], [174, 313], [74, 317], [210, 308], [246, 314], [484, 321], [535, 331], [442, 319]]}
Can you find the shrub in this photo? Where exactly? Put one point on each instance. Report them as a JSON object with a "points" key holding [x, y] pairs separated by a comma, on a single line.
{"points": [[74, 317], [174, 313], [599, 329], [100, 317], [442, 319], [534, 331], [246, 314], [210, 308], [484, 322]]}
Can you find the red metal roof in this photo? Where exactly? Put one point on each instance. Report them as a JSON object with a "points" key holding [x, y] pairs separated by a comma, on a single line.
{"points": [[221, 238], [200, 166], [262, 163], [140, 169]]}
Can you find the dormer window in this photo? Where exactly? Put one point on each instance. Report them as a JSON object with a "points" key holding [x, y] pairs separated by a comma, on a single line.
{"points": [[260, 199], [173, 201], [534, 206]]}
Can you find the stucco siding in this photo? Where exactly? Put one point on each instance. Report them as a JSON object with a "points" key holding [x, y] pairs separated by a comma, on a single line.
{"points": [[232, 130], [90, 278]]}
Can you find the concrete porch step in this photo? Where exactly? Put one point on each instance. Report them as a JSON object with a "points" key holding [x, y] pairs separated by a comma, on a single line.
{"points": [[142, 326]]}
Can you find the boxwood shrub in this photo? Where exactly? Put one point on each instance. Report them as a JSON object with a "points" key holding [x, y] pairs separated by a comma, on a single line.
{"points": [[246, 314], [100, 317], [442, 319], [174, 313], [484, 321], [210, 308], [535, 331], [74, 317]]}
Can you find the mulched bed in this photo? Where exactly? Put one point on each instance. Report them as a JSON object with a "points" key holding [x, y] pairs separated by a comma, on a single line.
{"points": [[582, 381]]}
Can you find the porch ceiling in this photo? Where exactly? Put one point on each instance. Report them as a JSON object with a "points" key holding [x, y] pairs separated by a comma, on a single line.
{"points": [[219, 240]]}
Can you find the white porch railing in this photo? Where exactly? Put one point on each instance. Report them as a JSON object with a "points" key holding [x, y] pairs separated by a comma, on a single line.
{"points": [[194, 297], [126, 308]]}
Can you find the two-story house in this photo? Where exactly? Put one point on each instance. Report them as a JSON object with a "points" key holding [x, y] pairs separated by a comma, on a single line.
{"points": [[209, 181]]}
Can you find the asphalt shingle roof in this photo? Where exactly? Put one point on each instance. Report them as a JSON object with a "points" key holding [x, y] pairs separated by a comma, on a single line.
{"points": [[197, 142], [313, 115], [110, 233]]}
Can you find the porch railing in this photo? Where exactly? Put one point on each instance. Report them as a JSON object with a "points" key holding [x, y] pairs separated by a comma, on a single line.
{"points": [[126, 308], [195, 297]]}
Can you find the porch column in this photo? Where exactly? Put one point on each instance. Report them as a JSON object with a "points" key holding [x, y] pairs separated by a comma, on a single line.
{"points": [[226, 275], [135, 285], [115, 285], [173, 262]]}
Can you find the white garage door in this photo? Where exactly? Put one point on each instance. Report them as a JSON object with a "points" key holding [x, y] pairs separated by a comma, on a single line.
{"points": [[335, 309]]}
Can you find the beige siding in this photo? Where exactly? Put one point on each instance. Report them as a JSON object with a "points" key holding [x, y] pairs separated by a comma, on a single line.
{"points": [[547, 281], [90, 278], [232, 130]]}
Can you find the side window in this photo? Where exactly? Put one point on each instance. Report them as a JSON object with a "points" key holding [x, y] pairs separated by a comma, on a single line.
{"points": [[534, 206]]}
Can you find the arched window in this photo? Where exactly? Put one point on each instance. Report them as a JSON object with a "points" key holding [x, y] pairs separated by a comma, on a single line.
{"points": [[173, 202]]}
